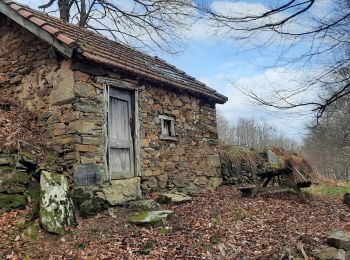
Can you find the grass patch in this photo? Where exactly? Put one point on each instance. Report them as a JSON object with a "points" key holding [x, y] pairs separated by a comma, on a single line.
{"points": [[329, 189]]}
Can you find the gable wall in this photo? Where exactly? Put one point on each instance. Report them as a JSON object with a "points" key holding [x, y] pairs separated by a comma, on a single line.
{"points": [[70, 110]]}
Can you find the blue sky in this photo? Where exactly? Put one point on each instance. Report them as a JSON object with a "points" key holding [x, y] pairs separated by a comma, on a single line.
{"points": [[224, 64]]}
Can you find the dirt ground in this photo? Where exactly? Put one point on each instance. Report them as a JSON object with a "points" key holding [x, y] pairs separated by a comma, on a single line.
{"points": [[218, 224]]}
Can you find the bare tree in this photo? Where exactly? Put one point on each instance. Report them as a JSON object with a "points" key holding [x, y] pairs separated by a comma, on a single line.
{"points": [[322, 32], [328, 145], [156, 25], [249, 133]]}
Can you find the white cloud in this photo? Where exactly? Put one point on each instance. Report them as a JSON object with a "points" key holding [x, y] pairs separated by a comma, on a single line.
{"points": [[291, 123]]}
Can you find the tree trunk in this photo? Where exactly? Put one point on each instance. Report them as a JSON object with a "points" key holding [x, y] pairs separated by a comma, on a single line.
{"points": [[64, 7]]}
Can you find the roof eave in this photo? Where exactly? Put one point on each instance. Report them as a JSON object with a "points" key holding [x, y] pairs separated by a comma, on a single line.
{"points": [[215, 96], [35, 29]]}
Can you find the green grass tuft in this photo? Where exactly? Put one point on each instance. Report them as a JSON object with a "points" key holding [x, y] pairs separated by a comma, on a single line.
{"points": [[328, 189]]}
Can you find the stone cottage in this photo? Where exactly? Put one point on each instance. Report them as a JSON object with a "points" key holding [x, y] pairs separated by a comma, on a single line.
{"points": [[121, 119]]}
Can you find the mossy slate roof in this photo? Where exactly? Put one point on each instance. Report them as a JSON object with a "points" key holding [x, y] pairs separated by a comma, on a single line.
{"points": [[100, 49]]}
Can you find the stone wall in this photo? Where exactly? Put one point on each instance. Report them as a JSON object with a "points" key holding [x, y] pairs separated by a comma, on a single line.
{"points": [[68, 104], [190, 163]]}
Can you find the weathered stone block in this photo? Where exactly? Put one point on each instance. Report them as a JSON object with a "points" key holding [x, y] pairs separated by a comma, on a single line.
{"points": [[56, 207], [9, 202], [330, 253], [87, 160], [152, 218], [162, 181], [83, 127], [87, 174], [122, 191], [92, 140], [339, 239], [215, 182], [180, 181], [63, 84], [174, 197], [86, 148], [215, 161], [82, 89]]}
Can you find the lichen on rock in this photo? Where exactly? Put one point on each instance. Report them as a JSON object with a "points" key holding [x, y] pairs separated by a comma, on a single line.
{"points": [[56, 207], [152, 218]]}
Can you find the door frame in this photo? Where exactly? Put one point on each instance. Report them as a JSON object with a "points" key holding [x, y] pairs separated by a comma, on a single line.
{"points": [[134, 90]]}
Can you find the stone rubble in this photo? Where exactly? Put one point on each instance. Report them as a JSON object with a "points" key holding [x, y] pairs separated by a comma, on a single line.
{"points": [[339, 247]]}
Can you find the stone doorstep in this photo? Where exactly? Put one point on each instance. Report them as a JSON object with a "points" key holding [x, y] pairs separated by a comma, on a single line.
{"points": [[121, 191]]}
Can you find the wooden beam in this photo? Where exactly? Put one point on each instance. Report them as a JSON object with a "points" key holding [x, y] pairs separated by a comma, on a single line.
{"points": [[119, 83], [137, 135], [66, 50]]}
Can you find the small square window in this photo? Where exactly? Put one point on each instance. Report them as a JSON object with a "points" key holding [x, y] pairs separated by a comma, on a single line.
{"points": [[168, 128]]}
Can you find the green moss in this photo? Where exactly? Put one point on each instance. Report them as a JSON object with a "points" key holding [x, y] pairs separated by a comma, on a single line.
{"points": [[17, 178], [217, 219], [240, 213], [9, 202], [31, 232], [34, 193], [152, 218], [328, 189], [16, 189], [139, 216], [48, 220], [7, 169], [216, 239], [147, 248], [165, 230], [79, 246]]}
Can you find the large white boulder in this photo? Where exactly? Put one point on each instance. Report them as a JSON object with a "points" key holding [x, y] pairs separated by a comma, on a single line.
{"points": [[56, 207]]}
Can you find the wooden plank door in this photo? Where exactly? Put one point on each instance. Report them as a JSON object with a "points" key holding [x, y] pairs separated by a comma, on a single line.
{"points": [[121, 148]]}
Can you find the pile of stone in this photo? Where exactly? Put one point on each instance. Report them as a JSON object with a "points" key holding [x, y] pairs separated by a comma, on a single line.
{"points": [[17, 183], [339, 247], [25, 183], [150, 215]]}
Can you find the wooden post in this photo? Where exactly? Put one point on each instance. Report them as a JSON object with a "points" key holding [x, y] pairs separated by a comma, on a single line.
{"points": [[292, 184], [263, 181]]}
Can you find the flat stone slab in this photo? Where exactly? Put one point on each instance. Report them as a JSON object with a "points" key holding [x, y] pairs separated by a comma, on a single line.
{"points": [[122, 191], [339, 239], [174, 197], [143, 205], [150, 217], [330, 253]]}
